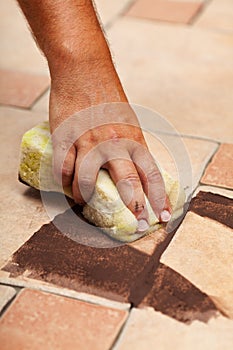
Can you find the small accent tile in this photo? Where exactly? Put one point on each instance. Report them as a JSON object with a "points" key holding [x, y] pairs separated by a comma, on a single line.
{"points": [[6, 294], [220, 170], [169, 11], [39, 320], [21, 89]]}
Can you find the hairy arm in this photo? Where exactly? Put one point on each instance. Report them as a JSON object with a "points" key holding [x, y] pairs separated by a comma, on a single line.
{"points": [[83, 75]]}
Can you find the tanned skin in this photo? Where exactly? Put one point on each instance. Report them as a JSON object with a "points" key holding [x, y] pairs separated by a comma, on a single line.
{"points": [[83, 75]]}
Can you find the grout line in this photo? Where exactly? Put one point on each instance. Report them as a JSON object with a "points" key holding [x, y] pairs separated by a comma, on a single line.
{"points": [[119, 14], [198, 14], [5, 308], [116, 340], [39, 97]]}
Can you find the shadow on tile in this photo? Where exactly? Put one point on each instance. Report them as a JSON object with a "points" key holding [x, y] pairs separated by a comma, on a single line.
{"points": [[120, 273]]}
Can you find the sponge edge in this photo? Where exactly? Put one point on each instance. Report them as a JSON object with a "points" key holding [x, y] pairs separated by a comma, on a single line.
{"points": [[106, 210]]}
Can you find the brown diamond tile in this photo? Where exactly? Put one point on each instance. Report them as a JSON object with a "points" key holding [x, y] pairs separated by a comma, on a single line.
{"points": [[39, 320], [170, 11], [220, 171], [21, 89]]}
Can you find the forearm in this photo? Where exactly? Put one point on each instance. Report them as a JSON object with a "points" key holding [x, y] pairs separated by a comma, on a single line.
{"points": [[69, 34]]}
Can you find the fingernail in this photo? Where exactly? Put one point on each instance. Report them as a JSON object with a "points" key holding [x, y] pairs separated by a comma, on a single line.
{"points": [[165, 216], [142, 225]]}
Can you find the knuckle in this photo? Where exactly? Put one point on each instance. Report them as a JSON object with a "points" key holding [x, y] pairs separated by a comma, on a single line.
{"points": [[131, 178], [67, 171], [85, 182], [154, 176]]}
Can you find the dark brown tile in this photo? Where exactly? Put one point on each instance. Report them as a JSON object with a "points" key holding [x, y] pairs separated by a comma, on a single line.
{"points": [[21, 89], [213, 206], [175, 296], [162, 10]]}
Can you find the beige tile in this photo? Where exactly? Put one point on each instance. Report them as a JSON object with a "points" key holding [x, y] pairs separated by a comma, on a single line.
{"points": [[6, 294], [21, 89], [178, 72], [217, 190], [42, 105], [201, 251], [169, 11], [109, 10], [220, 170], [218, 15], [147, 329], [18, 49], [45, 321]]}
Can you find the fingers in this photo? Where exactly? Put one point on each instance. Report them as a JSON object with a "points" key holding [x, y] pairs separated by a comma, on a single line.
{"points": [[125, 176], [87, 166], [152, 183], [63, 164]]}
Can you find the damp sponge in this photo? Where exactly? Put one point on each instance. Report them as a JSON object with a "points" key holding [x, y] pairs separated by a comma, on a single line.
{"points": [[105, 209]]}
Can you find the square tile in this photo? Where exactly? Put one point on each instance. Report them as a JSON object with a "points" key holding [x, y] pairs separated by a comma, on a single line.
{"points": [[220, 170], [46, 321], [170, 11], [21, 89], [6, 294], [147, 329], [178, 72], [201, 250]]}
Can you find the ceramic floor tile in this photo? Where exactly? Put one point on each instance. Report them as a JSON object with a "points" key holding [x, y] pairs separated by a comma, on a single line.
{"points": [[178, 72], [45, 321], [42, 104], [220, 170], [146, 329], [170, 11], [6, 294], [18, 49], [203, 241], [218, 15], [21, 89], [109, 10]]}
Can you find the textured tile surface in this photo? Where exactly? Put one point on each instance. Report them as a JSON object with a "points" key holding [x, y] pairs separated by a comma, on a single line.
{"points": [[146, 329], [21, 89], [201, 251], [220, 171], [6, 294], [178, 72], [170, 11], [45, 321], [17, 47], [218, 15]]}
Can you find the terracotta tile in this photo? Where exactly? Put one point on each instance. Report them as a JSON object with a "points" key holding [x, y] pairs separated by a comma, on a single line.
{"points": [[220, 170], [40, 320], [178, 72], [170, 11], [146, 329], [201, 251], [6, 294], [21, 89], [218, 15], [18, 49]]}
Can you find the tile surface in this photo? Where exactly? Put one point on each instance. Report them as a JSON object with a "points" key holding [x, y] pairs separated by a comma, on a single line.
{"points": [[6, 294], [146, 329], [45, 321], [109, 10], [199, 245], [18, 49], [178, 72], [220, 170], [170, 11], [21, 89], [218, 15]]}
